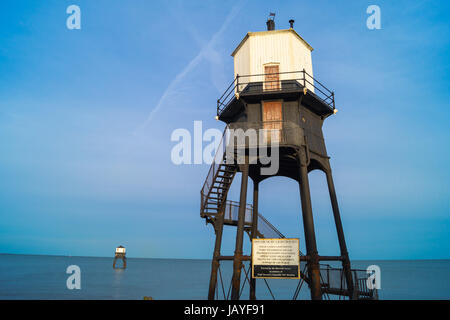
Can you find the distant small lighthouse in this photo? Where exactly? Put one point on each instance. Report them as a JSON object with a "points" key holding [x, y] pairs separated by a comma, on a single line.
{"points": [[120, 254]]}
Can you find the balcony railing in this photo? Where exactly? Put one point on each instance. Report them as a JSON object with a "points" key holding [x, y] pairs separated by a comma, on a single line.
{"points": [[265, 133], [334, 279], [273, 82], [265, 228]]}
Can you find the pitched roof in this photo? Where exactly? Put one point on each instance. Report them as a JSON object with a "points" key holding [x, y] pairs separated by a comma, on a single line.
{"points": [[270, 32]]}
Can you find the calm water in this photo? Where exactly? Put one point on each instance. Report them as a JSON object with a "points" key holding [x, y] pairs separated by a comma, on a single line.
{"points": [[44, 277]]}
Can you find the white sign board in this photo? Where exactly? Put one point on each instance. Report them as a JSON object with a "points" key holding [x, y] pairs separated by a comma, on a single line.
{"points": [[275, 258]]}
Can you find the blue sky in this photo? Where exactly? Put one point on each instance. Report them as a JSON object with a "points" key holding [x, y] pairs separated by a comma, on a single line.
{"points": [[86, 117]]}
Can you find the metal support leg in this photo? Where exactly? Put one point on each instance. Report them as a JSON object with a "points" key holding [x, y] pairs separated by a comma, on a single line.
{"points": [[218, 228], [254, 234], [310, 237], [124, 261], [340, 233], [237, 262]]}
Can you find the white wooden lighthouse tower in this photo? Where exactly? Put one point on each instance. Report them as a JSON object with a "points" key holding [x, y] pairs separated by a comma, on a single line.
{"points": [[283, 53]]}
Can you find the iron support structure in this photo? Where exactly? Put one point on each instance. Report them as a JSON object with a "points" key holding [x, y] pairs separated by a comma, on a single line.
{"points": [[340, 233], [254, 235], [124, 260], [218, 228], [237, 262], [308, 226]]}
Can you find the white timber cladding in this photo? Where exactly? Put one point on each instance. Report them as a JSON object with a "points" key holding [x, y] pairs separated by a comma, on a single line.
{"points": [[279, 47], [120, 250]]}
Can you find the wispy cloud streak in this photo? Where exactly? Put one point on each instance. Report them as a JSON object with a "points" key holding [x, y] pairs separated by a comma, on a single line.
{"points": [[203, 53]]}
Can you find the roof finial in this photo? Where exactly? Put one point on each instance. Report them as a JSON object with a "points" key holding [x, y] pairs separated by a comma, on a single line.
{"points": [[291, 23], [271, 22]]}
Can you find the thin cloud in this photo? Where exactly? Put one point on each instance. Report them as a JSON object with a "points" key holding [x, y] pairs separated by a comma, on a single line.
{"points": [[206, 50]]}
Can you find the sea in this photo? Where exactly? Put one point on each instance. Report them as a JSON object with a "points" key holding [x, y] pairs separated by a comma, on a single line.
{"points": [[45, 277]]}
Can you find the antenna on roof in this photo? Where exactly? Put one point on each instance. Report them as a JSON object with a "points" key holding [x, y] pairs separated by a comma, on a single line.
{"points": [[271, 22], [291, 23]]}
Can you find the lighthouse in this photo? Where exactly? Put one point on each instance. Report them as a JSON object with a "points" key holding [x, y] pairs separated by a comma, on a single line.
{"points": [[275, 92], [120, 254]]}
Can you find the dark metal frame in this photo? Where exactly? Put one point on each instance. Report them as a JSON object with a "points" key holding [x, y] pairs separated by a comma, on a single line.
{"points": [[247, 219], [238, 86], [301, 152], [124, 260]]}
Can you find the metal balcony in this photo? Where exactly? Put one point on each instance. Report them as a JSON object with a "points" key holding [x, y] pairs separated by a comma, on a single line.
{"points": [[265, 133], [286, 82]]}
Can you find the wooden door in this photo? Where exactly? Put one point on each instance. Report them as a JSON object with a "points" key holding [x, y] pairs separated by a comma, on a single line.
{"points": [[272, 78], [272, 120]]}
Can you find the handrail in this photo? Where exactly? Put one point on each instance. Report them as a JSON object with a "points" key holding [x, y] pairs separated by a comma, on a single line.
{"points": [[213, 170], [280, 235], [232, 82], [304, 79], [286, 133], [231, 213], [359, 280]]}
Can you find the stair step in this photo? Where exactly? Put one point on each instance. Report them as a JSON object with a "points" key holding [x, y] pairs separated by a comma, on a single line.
{"points": [[221, 183], [224, 180], [211, 208], [220, 187]]}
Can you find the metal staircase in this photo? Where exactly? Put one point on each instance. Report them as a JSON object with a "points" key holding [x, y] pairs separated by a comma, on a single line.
{"points": [[214, 195], [217, 183]]}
